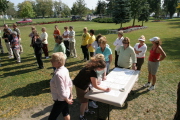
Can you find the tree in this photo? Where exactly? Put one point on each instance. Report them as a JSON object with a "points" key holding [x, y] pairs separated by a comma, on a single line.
{"points": [[110, 6], [101, 7], [66, 11], [170, 6], [136, 6], [3, 7], [121, 12], [178, 9], [25, 9], [155, 6], [44, 7], [11, 10], [144, 13], [79, 8]]}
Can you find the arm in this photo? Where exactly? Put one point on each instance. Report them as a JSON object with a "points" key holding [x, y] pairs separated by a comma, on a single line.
{"points": [[163, 54], [143, 51], [59, 82], [134, 59], [115, 43], [110, 58], [94, 83]]}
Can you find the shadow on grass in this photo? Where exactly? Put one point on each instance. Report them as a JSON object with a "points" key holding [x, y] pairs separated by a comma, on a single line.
{"points": [[32, 89], [74, 112]]}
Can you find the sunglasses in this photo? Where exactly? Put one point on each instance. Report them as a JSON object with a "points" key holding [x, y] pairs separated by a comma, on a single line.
{"points": [[125, 43]]}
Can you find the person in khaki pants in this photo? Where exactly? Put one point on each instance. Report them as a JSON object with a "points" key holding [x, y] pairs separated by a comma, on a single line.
{"points": [[16, 46], [72, 42]]}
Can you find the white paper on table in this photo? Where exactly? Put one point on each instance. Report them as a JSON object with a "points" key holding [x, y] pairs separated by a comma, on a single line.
{"points": [[114, 93]]}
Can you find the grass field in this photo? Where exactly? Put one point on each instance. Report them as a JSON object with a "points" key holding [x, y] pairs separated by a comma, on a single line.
{"points": [[24, 87]]}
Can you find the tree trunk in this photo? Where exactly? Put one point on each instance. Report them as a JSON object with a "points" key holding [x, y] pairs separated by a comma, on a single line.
{"points": [[121, 25], [134, 20], [142, 23]]}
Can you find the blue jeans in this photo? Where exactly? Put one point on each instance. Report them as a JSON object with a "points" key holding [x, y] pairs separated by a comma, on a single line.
{"points": [[107, 67]]}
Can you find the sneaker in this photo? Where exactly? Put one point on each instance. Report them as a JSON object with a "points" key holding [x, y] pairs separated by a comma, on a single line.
{"points": [[82, 118], [147, 84], [47, 57], [93, 104], [10, 57], [151, 88], [90, 112], [75, 57]]}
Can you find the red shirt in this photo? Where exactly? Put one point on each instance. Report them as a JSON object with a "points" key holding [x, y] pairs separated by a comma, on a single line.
{"points": [[153, 55]]}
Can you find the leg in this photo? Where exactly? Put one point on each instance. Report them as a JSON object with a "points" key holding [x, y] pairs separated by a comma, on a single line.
{"points": [[83, 107], [140, 62], [84, 51], [153, 79], [16, 52], [39, 60], [45, 50], [107, 67], [149, 77], [65, 111], [116, 58], [74, 49], [91, 54]]}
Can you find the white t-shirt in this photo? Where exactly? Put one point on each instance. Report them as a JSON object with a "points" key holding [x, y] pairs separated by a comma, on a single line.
{"points": [[118, 42], [44, 35], [66, 33], [72, 34], [142, 48]]}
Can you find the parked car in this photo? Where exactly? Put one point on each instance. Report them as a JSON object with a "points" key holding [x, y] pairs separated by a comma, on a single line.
{"points": [[75, 18], [24, 21]]}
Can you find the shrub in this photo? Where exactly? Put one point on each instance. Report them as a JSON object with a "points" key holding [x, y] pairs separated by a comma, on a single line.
{"points": [[103, 20]]}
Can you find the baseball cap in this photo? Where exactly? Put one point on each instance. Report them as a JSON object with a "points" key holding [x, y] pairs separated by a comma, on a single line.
{"points": [[154, 39]]}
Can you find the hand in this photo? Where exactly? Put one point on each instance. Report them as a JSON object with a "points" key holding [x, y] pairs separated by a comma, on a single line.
{"points": [[71, 97], [69, 101], [108, 89], [134, 67], [104, 78]]}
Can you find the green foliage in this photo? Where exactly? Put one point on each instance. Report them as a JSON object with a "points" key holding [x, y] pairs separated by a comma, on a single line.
{"points": [[110, 6], [79, 8], [101, 7], [121, 12], [103, 20], [11, 10], [170, 6], [26, 9], [44, 7], [144, 14], [3, 5]]}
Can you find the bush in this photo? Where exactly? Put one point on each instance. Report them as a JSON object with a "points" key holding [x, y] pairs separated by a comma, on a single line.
{"points": [[103, 20]]}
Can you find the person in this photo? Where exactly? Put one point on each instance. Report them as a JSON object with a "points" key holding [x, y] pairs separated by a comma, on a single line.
{"points": [[44, 38], [7, 36], [140, 50], [101, 76], [85, 39], [106, 51], [91, 40], [177, 114], [18, 35], [61, 88], [56, 31], [127, 55], [37, 45], [6, 27], [66, 40], [95, 44], [72, 42], [82, 81], [16, 46], [117, 43], [157, 54]]}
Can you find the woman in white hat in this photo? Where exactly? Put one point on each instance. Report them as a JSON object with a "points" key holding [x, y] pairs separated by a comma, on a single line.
{"points": [[140, 50], [157, 54]]}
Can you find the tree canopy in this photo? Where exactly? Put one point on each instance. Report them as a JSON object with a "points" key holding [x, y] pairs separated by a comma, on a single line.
{"points": [[26, 9], [79, 8]]}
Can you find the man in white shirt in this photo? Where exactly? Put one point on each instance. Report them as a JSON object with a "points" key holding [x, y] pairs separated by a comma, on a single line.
{"points": [[44, 37], [118, 43], [66, 40]]}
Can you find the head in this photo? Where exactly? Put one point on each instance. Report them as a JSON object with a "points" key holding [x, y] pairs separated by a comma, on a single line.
{"points": [[85, 30], [71, 28], [14, 34], [99, 57], [58, 39], [120, 33], [155, 40], [36, 35], [98, 36], [14, 25], [142, 39], [96, 64], [91, 32], [34, 32], [58, 59], [102, 42], [33, 28], [65, 28], [5, 25], [8, 32], [126, 42], [56, 27], [43, 29]]}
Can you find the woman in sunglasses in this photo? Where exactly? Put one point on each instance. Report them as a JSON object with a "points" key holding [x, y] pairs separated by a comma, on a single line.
{"points": [[127, 55]]}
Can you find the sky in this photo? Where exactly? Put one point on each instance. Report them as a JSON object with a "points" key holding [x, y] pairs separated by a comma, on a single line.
{"points": [[91, 4]]}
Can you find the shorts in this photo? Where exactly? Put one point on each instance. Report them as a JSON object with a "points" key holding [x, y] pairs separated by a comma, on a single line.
{"points": [[80, 95], [153, 67]]}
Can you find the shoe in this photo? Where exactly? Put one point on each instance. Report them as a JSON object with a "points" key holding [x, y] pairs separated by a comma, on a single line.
{"points": [[93, 104], [18, 62], [147, 84], [151, 88], [82, 118], [89, 112], [40, 67], [75, 57], [47, 57], [10, 57]]}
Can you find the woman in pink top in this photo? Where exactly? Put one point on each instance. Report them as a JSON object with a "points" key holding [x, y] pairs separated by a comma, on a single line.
{"points": [[157, 54], [61, 87]]}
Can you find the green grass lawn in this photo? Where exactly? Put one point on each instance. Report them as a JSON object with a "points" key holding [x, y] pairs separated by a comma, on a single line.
{"points": [[23, 86]]}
